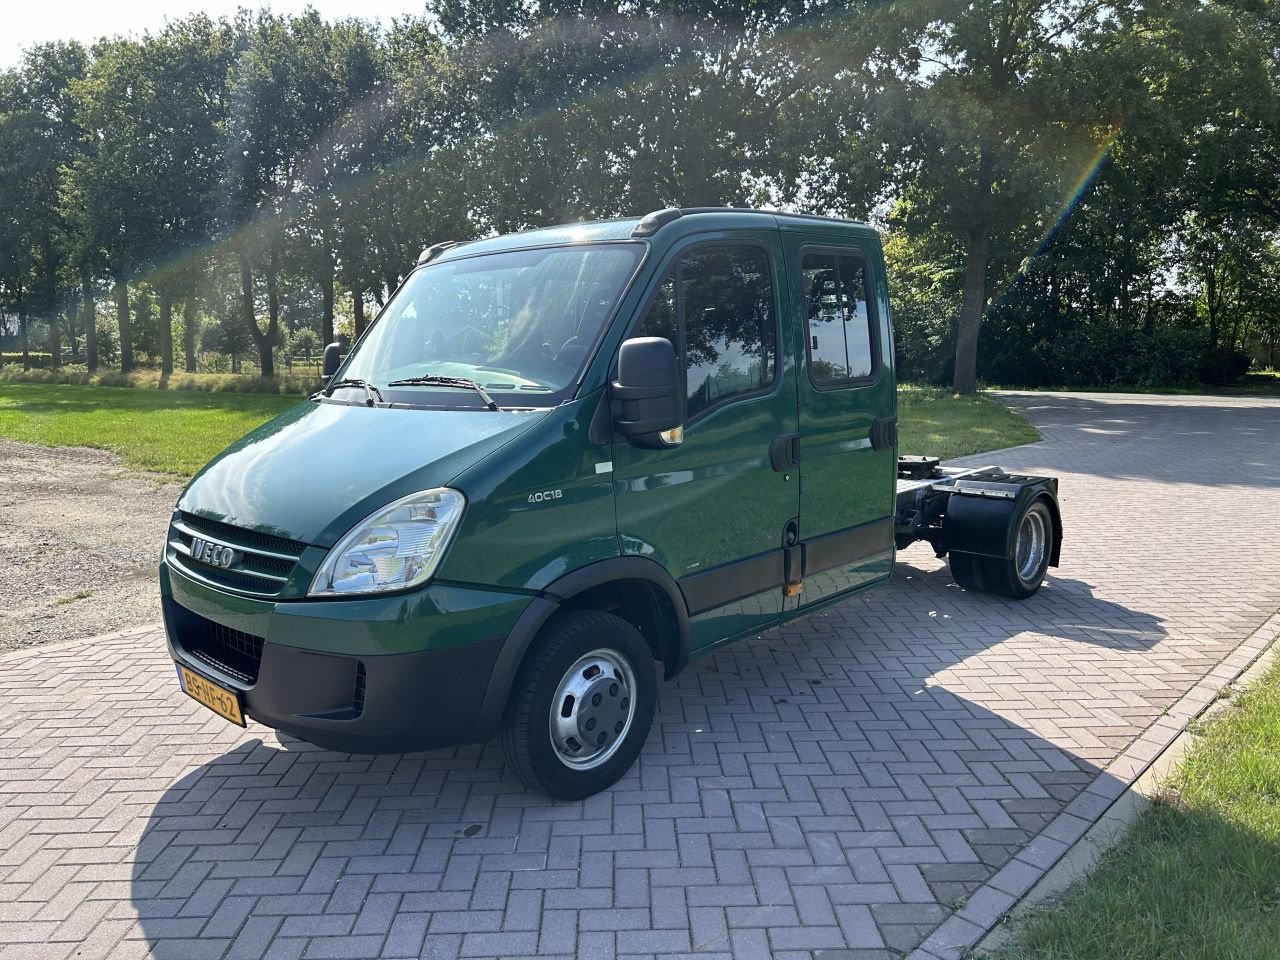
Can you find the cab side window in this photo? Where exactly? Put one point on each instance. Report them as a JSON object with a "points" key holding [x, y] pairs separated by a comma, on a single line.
{"points": [[660, 319], [719, 302], [837, 319]]}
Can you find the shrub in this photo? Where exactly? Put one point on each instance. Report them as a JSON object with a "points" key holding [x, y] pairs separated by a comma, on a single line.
{"points": [[39, 361], [1097, 355], [150, 379]]}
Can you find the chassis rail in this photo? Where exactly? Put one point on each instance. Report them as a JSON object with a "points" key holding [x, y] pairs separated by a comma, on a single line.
{"points": [[971, 510]]}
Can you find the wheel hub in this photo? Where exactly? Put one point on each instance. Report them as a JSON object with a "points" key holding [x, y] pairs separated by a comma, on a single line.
{"points": [[592, 709], [1032, 544], [603, 714]]}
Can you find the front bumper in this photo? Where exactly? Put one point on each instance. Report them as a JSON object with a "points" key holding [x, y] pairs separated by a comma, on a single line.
{"points": [[375, 675]]}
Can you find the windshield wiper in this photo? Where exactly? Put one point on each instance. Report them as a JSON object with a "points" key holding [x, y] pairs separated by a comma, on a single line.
{"points": [[447, 382], [370, 391]]}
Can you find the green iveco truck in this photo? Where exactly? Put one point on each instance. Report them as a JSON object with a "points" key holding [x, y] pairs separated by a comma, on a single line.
{"points": [[558, 462]]}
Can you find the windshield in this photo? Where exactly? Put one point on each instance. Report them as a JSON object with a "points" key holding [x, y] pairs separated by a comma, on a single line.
{"points": [[519, 322]]}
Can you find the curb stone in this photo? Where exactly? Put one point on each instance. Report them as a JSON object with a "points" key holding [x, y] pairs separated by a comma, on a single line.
{"points": [[1029, 878]]}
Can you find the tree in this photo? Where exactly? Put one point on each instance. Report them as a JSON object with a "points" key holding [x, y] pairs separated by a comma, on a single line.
{"points": [[971, 121], [349, 110], [16, 214], [39, 128], [110, 193], [187, 65], [287, 92]]}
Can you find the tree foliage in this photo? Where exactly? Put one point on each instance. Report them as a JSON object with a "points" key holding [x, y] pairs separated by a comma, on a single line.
{"points": [[1075, 191]]}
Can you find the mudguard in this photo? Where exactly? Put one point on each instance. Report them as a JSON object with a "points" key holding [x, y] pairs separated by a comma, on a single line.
{"points": [[982, 516], [544, 606]]}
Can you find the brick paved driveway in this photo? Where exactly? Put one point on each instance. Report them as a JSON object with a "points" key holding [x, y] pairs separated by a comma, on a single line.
{"points": [[839, 788]]}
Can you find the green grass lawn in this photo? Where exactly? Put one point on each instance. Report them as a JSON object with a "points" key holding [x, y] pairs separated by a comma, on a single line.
{"points": [[175, 431], [166, 431], [1198, 878], [937, 423]]}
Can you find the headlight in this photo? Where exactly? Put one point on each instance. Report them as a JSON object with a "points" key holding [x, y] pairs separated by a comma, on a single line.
{"points": [[398, 547]]}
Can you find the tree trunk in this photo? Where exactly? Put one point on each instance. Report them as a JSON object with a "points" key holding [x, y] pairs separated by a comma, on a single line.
{"points": [[263, 341], [70, 319], [189, 321], [55, 340], [971, 310], [22, 333], [166, 334], [1211, 302], [90, 321], [357, 307], [49, 296], [273, 321], [126, 333], [326, 312]]}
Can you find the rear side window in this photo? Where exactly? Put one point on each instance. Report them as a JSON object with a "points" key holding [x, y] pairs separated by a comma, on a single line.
{"points": [[717, 307], [837, 319]]}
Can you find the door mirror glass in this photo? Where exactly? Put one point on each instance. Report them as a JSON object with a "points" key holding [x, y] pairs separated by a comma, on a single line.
{"points": [[648, 398]]}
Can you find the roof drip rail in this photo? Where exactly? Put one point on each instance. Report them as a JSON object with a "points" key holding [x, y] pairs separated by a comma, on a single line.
{"points": [[655, 221], [435, 250]]}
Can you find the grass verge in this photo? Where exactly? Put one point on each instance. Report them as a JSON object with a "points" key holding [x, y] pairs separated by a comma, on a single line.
{"points": [[176, 431], [940, 424], [169, 432], [1198, 876]]}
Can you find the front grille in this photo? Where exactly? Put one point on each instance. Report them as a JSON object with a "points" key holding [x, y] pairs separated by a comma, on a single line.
{"points": [[242, 536], [234, 652], [265, 564]]}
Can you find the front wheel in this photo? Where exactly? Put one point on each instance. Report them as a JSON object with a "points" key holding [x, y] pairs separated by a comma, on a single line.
{"points": [[582, 706]]}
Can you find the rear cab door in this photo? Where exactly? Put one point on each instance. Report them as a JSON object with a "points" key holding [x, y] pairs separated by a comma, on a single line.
{"points": [[847, 407]]}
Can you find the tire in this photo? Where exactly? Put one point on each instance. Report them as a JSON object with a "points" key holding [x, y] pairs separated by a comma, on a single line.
{"points": [[1020, 575], [598, 672], [968, 571]]}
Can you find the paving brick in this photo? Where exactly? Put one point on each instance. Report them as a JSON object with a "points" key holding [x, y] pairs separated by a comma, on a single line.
{"points": [[837, 787]]}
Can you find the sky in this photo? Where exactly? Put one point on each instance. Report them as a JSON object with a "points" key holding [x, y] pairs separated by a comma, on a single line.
{"points": [[27, 22]]}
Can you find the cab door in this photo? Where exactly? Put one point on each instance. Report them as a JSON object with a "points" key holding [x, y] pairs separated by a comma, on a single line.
{"points": [[847, 415], [714, 510]]}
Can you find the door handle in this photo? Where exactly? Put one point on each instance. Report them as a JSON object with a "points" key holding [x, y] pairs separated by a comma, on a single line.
{"points": [[784, 451], [884, 433]]}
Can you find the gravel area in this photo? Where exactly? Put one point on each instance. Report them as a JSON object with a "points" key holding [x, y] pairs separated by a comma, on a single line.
{"points": [[80, 537]]}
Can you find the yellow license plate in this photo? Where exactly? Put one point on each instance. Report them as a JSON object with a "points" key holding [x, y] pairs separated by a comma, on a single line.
{"points": [[225, 703]]}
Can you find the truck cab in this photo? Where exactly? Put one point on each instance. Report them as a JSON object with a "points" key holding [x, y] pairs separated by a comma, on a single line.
{"points": [[562, 463]]}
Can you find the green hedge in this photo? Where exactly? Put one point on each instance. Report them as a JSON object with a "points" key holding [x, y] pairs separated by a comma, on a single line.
{"points": [[40, 361]]}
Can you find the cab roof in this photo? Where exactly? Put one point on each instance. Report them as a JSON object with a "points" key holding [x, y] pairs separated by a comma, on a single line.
{"points": [[674, 221]]}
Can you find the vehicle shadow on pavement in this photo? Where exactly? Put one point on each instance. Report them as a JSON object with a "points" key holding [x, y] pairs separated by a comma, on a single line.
{"points": [[1063, 608], [822, 787]]}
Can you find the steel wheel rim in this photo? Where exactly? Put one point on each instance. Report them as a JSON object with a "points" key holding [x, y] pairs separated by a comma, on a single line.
{"points": [[599, 686], [1033, 541]]}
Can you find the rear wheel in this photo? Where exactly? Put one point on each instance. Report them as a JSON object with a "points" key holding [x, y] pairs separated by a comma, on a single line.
{"points": [[582, 706], [968, 571], [1020, 575]]}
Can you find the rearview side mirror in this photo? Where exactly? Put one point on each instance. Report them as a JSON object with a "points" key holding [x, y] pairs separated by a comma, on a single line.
{"points": [[332, 359], [648, 400]]}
